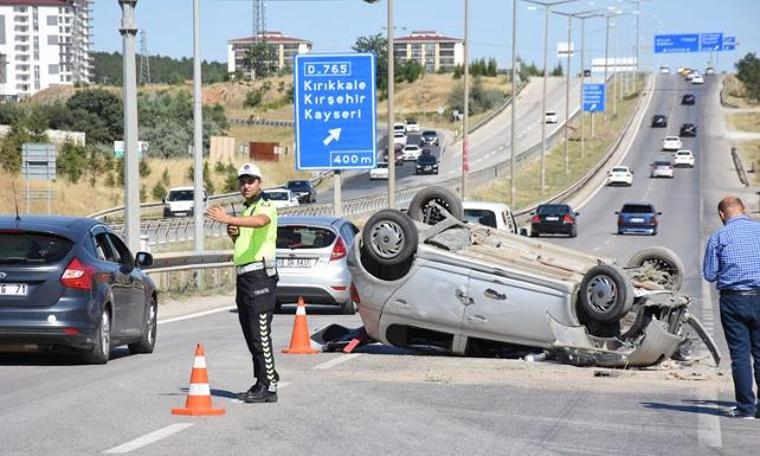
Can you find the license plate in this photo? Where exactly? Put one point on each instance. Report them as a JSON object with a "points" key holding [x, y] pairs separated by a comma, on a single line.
{"points": [[295, 262], [180, 214], [637, 220], [428, 168], [552, 219], [13, 289]]}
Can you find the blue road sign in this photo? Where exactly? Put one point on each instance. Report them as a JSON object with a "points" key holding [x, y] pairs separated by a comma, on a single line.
{"points": [[729, 43], [335, 111], [711, 42], [593, 97], [664, 44]]}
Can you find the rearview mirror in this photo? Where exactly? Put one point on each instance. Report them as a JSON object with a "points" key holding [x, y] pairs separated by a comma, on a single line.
{"points": [[163, 200], [523, 231], [617, 212], [659, 213], [143, 259], [577, 214]]}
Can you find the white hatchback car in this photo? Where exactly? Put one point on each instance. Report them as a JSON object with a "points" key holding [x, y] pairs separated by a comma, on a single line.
{"points": [[672, 143], [698, 79], [412, 126], [411, 152], [683, 157], [282, 197], [550, 117], [399, 138], [381, 172], [620, 175], [662, 169]]}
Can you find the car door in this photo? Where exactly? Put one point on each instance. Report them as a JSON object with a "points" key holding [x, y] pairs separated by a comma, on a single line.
{"points": [[109, 263], [135, 288], [511, 309]]}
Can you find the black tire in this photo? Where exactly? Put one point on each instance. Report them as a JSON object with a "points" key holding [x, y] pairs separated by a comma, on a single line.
{"points": [[574, 233], [389, 238], [348, 307], [101, 349], [150, 328], [665, 262], [534, 234], [420, 209], [606, 293]]}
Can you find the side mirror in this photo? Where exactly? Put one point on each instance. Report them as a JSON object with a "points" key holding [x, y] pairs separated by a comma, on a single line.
{"points": [[659, 213], [617, 212], [632, 173], [163, 200], [143, 259], [532, 212], [523, 231], [577, 214]]}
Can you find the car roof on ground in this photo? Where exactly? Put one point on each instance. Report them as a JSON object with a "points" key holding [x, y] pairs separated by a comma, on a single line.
{"points": [[497, 207]]}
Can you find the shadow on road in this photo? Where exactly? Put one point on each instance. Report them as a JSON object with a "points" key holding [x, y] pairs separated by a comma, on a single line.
{"points": [[59, 357], [715, 408]]}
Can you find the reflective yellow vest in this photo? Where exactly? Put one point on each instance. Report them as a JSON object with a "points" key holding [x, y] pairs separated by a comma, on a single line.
{"points": [[257, 244]]}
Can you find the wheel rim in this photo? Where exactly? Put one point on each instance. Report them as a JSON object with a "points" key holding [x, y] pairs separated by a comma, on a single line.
{"points": [[602, 293], [105, 334], [152, 324], [431, 215], [387, 239]]}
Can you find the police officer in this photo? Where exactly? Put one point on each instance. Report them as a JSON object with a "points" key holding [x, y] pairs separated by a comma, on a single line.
{"points": [[254, 234]]}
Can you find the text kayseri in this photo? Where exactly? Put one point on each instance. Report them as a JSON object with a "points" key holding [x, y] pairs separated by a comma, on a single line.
{"points": [[326, 116]]}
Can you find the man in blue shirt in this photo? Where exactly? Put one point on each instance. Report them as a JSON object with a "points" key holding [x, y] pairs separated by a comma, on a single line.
{"points": [[732, 258]]}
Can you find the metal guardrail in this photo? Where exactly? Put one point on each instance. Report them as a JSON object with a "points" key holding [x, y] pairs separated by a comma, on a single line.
{"points": [[739, 167], [263, 122]]}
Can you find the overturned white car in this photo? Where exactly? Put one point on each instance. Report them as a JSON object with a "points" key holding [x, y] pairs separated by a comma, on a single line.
{"points": [[426, 280]]}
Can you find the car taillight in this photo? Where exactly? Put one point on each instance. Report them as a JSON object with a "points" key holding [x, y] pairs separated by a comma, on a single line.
{"points": [[77, 275], [339, 250], [355, 294], [621, 220], [567, 218], [654, 221], [536, 219]]}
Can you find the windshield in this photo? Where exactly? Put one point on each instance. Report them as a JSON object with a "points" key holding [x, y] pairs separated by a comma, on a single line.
{"points": [[481, 216], [662, 164], [278, 196], [304, 237], [619, 170], [382, 165], [298, 186], [637, 209], [428, 133], [553, 209], [426, 159], [180, 195], [38, 248]]}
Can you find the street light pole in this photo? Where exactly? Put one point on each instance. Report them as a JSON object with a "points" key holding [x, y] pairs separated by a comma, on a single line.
{"points": [[465, 122], [583, 79], [606, 61], [512, 138], [543, 99], [567, 93], [391, 145], [128, 32], [197, 132]]}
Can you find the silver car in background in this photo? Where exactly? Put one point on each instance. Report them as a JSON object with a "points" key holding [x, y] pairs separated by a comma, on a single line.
{"points": [[311, 261]]}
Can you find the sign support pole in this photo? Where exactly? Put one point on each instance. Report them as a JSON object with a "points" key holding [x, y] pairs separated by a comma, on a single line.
{"points": [[336, 192]]}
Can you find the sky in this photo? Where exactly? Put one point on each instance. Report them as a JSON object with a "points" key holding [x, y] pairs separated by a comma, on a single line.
{"points": [[334, 25]]}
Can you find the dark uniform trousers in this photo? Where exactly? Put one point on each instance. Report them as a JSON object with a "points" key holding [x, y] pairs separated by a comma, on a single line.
{"points": [[255, 303]]}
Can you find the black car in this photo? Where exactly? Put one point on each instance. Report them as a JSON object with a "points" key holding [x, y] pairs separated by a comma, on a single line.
{"points": [[688, 129], [430, 137], [399, 155], [72, 283], [554, 219], [303, 190], [688, 99], [426, 163], [659, 121], [637, 218]]}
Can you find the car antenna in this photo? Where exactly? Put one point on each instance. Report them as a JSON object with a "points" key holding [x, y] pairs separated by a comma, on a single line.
{"points": [[15, 201]]}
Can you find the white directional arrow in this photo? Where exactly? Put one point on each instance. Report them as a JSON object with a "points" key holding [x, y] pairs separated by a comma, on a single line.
{"points": [[333, 136]]}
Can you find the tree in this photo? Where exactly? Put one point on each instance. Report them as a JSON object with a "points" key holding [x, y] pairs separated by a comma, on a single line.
{"points": [[492, 67], [159, 191], [252, 98], [748, 71], [557, 71], [264, 57], [10, 151], [72, 161], [97, 112], [378, 45], [165, 180]]}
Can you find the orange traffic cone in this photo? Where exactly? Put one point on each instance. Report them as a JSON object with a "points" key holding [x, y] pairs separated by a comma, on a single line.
{"points": [[299, 341], [199, 395]]}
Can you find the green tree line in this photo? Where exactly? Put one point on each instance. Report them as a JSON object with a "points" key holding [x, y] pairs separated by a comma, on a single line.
{"points": [[748, 72], [163, 70]]}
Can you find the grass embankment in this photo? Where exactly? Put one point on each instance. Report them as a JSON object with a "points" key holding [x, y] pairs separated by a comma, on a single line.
{"points": [[745, 121], [749, 151], [527, 174], [735, 94]]}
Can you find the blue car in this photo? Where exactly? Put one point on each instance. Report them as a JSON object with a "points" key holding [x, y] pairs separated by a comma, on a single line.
{"points": [[72, 283], [637, 218]]}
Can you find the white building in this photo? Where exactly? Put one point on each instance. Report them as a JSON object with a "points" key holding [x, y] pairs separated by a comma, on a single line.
{"points": [[286, 47], [431, 49], [43, 43]]}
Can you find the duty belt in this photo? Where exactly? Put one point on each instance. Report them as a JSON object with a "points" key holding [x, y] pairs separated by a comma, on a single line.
{"points": [[257, 266], [752, 292]]}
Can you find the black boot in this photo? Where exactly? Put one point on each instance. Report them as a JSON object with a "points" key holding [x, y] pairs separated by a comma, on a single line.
{"points": [[241, 396], [261, 393]]}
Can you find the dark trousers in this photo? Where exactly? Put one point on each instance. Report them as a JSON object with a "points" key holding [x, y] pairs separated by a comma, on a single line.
{"points": [[255, 304], [740, 316]]}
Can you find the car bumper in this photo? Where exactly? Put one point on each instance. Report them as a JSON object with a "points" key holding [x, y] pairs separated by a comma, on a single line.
{"points": [[552, 228], [426, 171], [331, 285], [637, 229], [69, 323], [663, 175], [619, 182]]}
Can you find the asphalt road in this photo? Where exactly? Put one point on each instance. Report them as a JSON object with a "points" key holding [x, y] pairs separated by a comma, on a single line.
{"points": [[386, 403]]}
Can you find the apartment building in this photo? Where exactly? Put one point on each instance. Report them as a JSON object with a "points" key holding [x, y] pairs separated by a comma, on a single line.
{"points": [[286, 47], [44, 43], [431, 49]]}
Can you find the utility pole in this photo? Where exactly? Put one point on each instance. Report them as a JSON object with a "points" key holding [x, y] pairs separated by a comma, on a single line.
{"points": [[465, 121], [128, 32], [144, 58], [567, 92], [583, 79], [512, 138], [606, 65], [543, 100], [198, 200], [391, 120]]}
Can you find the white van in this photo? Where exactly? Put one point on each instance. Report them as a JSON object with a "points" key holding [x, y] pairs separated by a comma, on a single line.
{"points": [[495, 215], [179, 202]]}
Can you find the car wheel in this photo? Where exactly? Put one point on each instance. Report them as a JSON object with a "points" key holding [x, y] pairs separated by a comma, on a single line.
{"points": [[660, 265], [101, 349], [574, 233], [348, 307], [389, 238], [148, 339], [421, 209], [606, 293]]}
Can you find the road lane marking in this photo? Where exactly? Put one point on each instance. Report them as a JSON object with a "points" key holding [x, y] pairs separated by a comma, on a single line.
{"points": [[334, 362], [196, 315], [147, 439]]}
